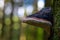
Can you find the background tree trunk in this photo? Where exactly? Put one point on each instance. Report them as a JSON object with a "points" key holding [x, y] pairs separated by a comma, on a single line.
{"points": [[49, 3], [6, 29]]}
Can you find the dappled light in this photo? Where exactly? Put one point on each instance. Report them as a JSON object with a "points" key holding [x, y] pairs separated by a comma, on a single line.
{"points": [[29, 9], [21, 11], [8, 8], [1, 4], [40, 4]]}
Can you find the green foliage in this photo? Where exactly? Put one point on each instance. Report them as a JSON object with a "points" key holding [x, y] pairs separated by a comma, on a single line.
{"points": [[15, 19], [40, 33], [7, 21], [16, 26]]}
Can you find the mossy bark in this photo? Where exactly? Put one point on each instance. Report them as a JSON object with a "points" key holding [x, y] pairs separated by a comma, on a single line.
{"points": [[56, 19]]}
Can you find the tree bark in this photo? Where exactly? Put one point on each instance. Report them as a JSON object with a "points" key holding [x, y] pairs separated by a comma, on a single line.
{"points": [[56, 19]]}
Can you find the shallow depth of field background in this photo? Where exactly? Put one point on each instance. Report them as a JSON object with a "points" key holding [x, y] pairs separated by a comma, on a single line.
{"points": [[11, 28]]}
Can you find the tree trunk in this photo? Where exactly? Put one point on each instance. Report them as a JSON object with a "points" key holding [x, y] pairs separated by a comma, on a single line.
{"points": [[49, 3], [56, 19]]}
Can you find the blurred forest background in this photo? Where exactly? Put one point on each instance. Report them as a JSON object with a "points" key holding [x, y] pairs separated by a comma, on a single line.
{"points": [[11, 12]]}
